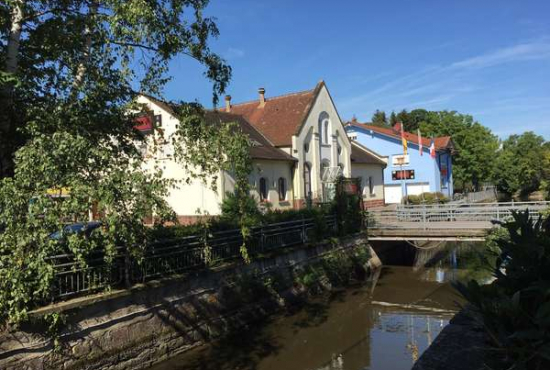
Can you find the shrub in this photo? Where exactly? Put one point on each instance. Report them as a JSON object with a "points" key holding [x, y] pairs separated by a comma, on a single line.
{"points": [[427, 198], [515, 308]]}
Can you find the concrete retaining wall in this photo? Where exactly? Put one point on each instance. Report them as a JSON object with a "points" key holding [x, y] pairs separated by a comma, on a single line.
{"points": [[133, 329]]}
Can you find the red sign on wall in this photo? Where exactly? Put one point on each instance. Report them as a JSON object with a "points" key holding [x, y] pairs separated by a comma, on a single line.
{"points": [[402, 175]]}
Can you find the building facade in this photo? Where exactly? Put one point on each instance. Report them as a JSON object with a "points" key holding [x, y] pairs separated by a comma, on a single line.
{"points": [[417, 172], [300, 147]]}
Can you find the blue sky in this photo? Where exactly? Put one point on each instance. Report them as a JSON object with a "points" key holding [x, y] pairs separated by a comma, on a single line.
{"points": [[487, 58]]}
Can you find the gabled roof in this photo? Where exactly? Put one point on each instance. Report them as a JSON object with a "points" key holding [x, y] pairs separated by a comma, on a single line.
{"points": [[441, 142], [280, 117], [261, 148], [362, 155]]}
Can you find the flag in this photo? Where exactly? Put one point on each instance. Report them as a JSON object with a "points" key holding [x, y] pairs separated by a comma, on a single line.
{"points": [[432, 149], [419, 142], [403, 140]]}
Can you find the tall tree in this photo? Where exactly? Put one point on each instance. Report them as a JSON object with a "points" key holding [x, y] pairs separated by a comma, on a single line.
{"points": [[379, 118], [70, 70], [476, 146], [403, 117], [393, 119], [414, 119], [521, 164]]}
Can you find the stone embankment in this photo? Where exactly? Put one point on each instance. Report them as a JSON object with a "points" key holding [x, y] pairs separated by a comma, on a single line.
{"points": [[136, 328]]}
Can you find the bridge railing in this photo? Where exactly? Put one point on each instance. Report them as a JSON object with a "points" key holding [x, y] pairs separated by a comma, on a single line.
{"points": [[453, 215]]}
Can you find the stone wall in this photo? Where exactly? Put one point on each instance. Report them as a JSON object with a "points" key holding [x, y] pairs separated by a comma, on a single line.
{"points": [[133, 329]]}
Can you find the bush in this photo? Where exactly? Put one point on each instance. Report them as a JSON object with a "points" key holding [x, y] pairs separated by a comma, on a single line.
{"points": [[515, 308], [427, 198]]}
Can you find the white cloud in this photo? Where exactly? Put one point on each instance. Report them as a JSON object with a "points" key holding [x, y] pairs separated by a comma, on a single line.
{"points": [[438, 84], [537, 50], [234, 53]]}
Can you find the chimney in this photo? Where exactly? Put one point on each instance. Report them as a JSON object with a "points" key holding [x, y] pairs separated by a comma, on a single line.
{"points": [[228, 103], [354, 119], [261, 91]]}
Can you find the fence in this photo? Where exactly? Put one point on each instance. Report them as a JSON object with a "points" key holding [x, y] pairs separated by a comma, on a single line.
{"points": [[169, 257], [451, 215], [490, 193]]}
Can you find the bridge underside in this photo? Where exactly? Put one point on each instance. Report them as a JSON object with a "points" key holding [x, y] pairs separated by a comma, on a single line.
{"points": [[434, 231]]}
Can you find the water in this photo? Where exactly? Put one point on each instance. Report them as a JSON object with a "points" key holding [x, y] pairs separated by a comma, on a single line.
{"points": [[383, 325]]}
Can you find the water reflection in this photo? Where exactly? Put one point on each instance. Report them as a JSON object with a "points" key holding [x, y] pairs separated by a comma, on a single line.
{"points": [[383, 325]]}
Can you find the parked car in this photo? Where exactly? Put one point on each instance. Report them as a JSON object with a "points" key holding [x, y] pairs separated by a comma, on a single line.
{"points": [[76, 228]]}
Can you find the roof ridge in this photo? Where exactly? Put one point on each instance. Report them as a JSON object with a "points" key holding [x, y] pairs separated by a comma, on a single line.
{"points": [[396, 132], [276, 97]]}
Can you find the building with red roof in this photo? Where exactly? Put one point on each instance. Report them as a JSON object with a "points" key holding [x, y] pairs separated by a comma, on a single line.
{"points": [[424, 168]]}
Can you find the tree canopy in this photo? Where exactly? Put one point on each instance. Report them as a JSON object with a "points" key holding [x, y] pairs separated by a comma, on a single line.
{"points": [[521, 163], [475, 145], [70, 72]]}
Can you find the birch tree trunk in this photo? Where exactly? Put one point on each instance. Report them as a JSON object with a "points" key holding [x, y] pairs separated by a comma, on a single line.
{"points": [[82, 66], [12, 51], [6, 92]]}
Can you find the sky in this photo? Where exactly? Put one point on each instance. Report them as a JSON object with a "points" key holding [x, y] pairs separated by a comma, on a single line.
{"points": [[489, 58]]}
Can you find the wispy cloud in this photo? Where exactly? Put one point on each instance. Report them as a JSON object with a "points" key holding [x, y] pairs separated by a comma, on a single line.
{"points": [[443, 86], [233, 53], [528, 51]]}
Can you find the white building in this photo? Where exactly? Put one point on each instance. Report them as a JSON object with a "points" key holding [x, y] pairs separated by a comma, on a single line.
{"points": [[300, 146]]}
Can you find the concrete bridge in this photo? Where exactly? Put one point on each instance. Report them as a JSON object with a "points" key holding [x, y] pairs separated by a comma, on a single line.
{"points": [[444, 222]]}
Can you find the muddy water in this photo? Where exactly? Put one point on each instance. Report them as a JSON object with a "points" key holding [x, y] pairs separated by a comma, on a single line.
{"points": [[383, 325]]}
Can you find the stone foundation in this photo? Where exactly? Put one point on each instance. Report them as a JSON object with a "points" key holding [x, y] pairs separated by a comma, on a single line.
{"points": [[133, 329]]}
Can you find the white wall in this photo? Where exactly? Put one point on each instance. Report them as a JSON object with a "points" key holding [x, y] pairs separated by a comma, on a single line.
{"points": [[185, 199], [364, 171], [318, 149], [272, 171]]}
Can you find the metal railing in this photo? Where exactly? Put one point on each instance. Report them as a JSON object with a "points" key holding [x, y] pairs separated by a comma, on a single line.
{"points": [[451, 215], [168, 257]]}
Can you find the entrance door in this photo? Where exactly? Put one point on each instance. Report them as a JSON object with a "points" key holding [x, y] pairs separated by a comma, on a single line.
{"points": [[393, 194]]}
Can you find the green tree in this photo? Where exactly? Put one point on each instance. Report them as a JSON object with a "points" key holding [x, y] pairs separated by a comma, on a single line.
{"points": [[393, 119], [521, 164], [379, 118], [414, 119], [475, 144], [403, 117], [69, 71]]}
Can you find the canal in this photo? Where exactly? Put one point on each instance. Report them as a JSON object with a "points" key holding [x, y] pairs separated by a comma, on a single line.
{"points": [[384, 324]]}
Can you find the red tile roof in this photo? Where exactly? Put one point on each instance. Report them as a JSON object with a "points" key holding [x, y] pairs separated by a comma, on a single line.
{"points": [[281, 116], [261, 148], [441, 142]]}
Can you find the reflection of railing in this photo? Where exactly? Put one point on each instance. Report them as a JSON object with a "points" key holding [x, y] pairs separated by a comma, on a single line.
{"points": [[169, 257], [452, 215]]}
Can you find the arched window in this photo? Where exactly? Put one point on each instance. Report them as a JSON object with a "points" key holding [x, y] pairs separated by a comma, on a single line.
{"points": [[324, 127], [282, 189], [263, 189], [307, 179]]}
